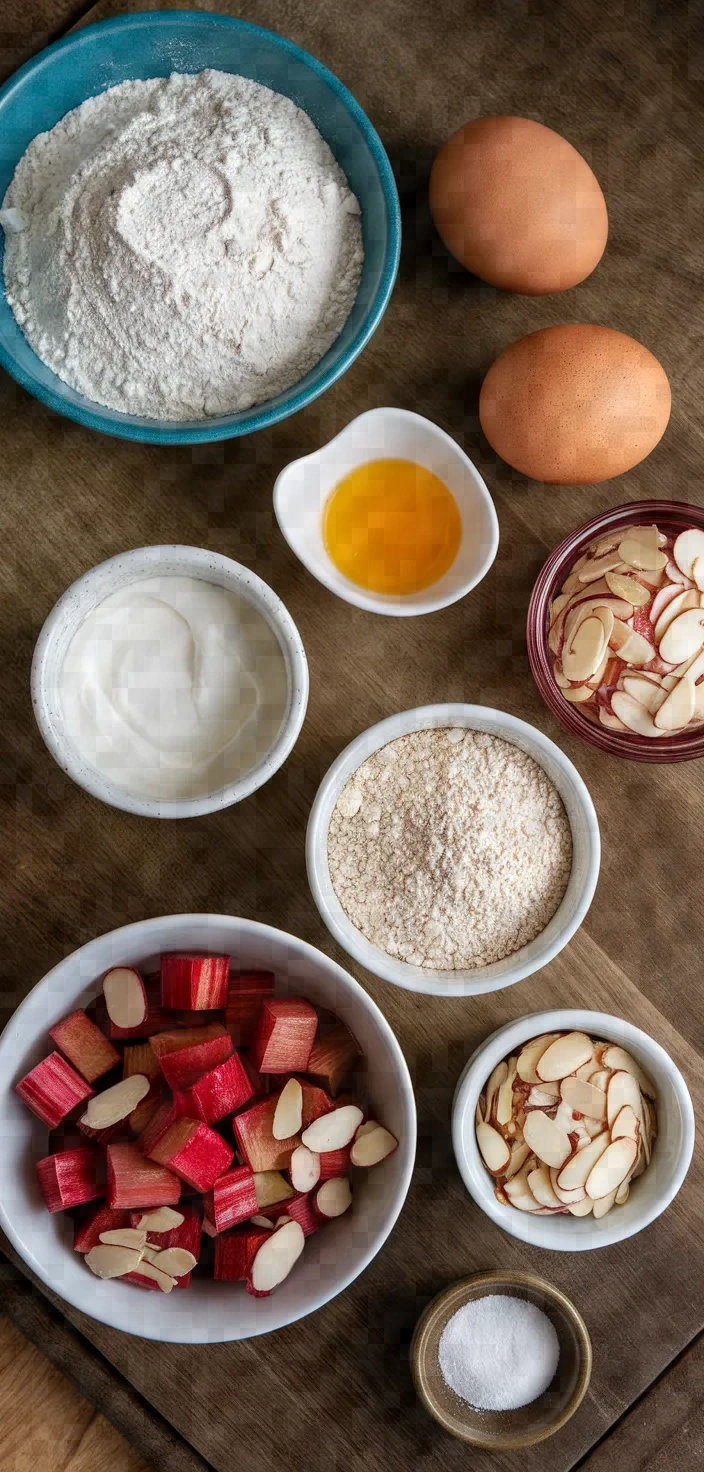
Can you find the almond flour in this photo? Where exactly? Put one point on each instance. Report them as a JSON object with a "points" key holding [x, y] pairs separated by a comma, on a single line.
{"points": [[450, 849]]}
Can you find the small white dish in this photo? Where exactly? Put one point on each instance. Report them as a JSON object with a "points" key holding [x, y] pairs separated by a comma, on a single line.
{"points": [[209, 1312], [303, 487], [108, 577], [650, 1194], [569, 914]]}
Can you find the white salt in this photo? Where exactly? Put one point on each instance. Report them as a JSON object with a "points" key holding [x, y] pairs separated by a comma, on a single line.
{"points": [[498, 1353]]}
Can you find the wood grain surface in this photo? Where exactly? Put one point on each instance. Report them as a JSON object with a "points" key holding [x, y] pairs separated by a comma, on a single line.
{"points": [[623, 82]]}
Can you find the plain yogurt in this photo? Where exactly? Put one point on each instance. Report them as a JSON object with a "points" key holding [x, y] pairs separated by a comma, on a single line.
{"points": [[173, 687]]}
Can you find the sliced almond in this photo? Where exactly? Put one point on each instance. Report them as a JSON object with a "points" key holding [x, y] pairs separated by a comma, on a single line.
{"points": [[636, 649], [149, 1270], [112, 1262], [600, 1078], [623, 1193], [584, 1071], [371, 1149], [494, 1083], [584, 653], [543, 1096], [683, 600], [628, 588], [626, 1125], [116, 1103], [592, 1127], [598, 567], [698, 572], [546, 1140], [611, 722], [282, 1220], [519, 1156], [174, 1261], [493, 1148], [527, 1059], [557, 606], [519, 1193], [603, 1205], [611, 1168], [560, 679], [615, 1057], [288, 1115], [661, 601], [541, 1186], [677, 709], [262, 1221], [580, 1165], [584, 1097], [684, 637], [633, 715], [640, 548], [334, 1197], [645, 691], [568, 1198], [606, 619], [125, 1237], [578, 694], [623, 1089], [304, 1168], [161, 1219], [334, 1130], [581, 1208], [673, 573], [125, 997], [689, 546], [563, 1056], [564, 1118], [504, 1097]]}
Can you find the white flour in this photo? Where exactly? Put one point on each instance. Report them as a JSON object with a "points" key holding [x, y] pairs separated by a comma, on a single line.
{"points": [[188, 246], [450, 849]]}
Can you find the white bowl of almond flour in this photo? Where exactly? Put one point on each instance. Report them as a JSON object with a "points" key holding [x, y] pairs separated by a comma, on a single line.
{"points": [[453, 849]]}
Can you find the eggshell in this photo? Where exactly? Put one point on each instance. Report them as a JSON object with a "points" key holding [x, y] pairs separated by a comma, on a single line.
{"points": [[518, 205], [574, 404]]}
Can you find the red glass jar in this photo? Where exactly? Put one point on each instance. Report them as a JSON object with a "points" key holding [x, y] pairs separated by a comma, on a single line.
{"points": [[671, 517]]}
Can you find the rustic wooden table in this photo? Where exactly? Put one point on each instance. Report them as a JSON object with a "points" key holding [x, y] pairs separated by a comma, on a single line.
{"points": [[624, 84]]}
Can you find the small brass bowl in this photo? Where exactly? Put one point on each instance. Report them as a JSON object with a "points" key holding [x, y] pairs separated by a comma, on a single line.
{"points": [[503, 1430]]}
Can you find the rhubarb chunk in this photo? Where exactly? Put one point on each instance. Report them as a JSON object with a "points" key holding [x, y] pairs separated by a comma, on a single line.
{"points": [[195, 1152], [247, 990], [219, 1092], [233, 1199], [187, 1053], [85, 1045], [69, 1177], [195, 982], [333, 1056], [334, 1163], [284, 1036], [253, 1130], [141, 1058], [301, 1210], [53, 1089], [163, 1118], [235, 1253], [105, 1219], [134, 1181]]}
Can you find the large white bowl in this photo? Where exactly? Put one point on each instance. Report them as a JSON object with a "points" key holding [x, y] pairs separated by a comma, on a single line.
{"points": [[207, 1312], [649, 1195], [118, 572], [585, 859]]}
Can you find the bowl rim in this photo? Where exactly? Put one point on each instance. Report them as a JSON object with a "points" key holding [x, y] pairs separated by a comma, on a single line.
{"points": [[626, 745], [468, 1088], [502, 1278], [407, 605], [401, 973], [183, 924], [140, 562], [193, 432]]}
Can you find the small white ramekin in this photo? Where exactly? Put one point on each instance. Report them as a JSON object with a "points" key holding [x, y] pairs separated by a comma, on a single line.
{"points": [[585, 860], [650, 1194], [108, 577], [303, 487]]}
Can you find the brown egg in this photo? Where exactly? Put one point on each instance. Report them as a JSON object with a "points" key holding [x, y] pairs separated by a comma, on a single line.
{"points": [[518, 206], [575, 403]]}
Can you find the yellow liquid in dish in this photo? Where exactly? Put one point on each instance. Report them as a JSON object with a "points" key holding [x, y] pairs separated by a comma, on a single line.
{"points": [[392, 526]]}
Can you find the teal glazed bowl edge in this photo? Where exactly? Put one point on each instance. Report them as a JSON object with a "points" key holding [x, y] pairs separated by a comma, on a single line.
{"points": [[154, 44]]}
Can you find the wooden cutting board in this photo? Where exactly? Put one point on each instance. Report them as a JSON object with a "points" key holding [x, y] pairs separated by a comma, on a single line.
{"points": [[625, 87]]}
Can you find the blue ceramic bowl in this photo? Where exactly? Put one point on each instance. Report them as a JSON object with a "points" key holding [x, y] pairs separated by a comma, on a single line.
{"points": [[154, 44]]}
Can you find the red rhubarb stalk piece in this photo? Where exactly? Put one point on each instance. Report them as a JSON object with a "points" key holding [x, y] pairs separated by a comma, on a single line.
{"points": [[253, 1131], [163, 1118], [315, 1103], [140, 1058], [53, 1089], [145, 1111], [233, 1199], [125, 997], [195, 1152], [155, 1021], [195, 982], [261, 1082], [334, 1163], [186, 1054], [284, 1035], [101, 1137], [85, 1046], [333, 1056], [235, 1252], [301, 1210], [134, 1181], [105, 1219], [246, 992], [220, 1092], [69, 1177]]}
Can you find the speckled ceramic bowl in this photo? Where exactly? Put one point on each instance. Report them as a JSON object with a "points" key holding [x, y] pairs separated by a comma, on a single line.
{"points": [[78, 601]]}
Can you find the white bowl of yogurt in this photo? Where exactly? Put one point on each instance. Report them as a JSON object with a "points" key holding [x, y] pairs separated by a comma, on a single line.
{"points": [[170, 681]]}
